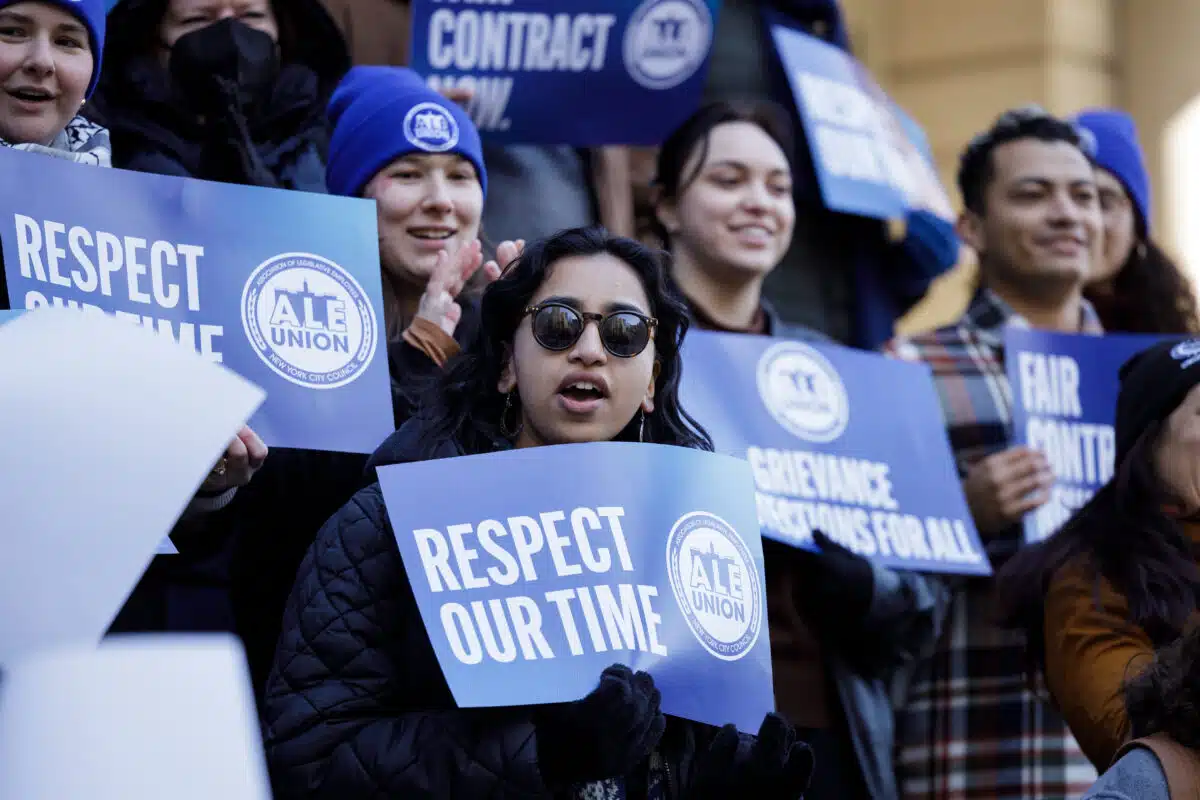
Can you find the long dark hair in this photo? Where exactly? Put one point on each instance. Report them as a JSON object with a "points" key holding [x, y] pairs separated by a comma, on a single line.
{"points": [[1165, 696], [1122, 534], [465, 402], [1149, 294], [670, 180]]}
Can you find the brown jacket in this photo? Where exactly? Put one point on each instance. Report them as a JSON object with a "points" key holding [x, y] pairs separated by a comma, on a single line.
{"points": [[379, 32], [1092, 648]]}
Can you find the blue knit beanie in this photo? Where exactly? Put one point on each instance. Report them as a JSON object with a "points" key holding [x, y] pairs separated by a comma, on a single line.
{"points": [[1119, 152], [380, 114], [91, 14]]}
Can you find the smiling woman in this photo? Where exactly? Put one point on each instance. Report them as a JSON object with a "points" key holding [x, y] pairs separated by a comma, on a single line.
{"points": [[49, 62], [420, 158], [581, 313]]}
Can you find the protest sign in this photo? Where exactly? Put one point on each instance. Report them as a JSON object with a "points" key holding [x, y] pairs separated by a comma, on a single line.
{"points": [[575, 557], [108, 431], [281, 287], [842, 441], [866, 159], [137, 717], [1064, 390], [577, 72]]}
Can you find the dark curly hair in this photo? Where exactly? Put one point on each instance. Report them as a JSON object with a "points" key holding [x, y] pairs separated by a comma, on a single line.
{"points": [[465, 402], [1126, 537], [1150, 294], [1165, 696]]}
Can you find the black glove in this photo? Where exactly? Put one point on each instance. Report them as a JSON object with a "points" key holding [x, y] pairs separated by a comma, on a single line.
{"points": [[833, 592], [605, 735], [834, 580], [773, 766]]}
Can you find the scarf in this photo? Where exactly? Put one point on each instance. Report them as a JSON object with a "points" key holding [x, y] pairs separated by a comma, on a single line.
{"points": [[81, 141], [614, 788]]}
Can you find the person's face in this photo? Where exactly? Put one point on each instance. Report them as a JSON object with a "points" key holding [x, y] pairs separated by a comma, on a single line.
{"points": [[555, 406], [1177, 453], [45, 67], [185, 16], [1120, 227], [425, 203], [1041, 216], [737, 215]]}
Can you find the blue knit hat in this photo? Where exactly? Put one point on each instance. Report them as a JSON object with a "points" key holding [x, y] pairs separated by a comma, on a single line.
{"points": [[1119, 152], [380, 114], [91, 14]]}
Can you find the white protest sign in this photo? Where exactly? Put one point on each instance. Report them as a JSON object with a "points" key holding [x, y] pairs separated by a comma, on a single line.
{"points": [[140, 717], [107, 432]]}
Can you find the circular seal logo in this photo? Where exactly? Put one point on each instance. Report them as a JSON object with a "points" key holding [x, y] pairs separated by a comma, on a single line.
{"points": [[309, 320], [716, 584], [431, 127], [666, 41], [803, 392]]}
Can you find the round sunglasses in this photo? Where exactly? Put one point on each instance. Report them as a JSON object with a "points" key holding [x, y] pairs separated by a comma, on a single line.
{"points": [[558, 326]]}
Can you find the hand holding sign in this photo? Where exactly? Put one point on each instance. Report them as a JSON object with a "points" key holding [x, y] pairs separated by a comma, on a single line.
{"points": [[1004, 487], [776, 766], [607, 733], [244, 457]]}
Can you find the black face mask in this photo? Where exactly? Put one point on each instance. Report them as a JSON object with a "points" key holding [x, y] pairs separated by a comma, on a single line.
{"points": [[225, 62]]}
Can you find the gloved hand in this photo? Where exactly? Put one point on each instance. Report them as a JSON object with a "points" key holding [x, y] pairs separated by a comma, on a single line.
{"points": [[774, 766], [834, 580], [833, 592], [604, 735]]}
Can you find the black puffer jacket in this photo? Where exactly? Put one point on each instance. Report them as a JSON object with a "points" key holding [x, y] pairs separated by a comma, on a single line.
{"points": [[280, 143], [357, 705]]}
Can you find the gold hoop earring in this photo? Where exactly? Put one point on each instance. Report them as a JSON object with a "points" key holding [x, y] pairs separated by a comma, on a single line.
{"points": [[513, 431]]}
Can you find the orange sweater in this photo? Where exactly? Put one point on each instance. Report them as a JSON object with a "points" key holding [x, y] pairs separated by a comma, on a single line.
{"points": [[1092, 648]]}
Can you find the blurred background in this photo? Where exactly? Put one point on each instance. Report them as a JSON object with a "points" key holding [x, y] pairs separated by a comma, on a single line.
{"points": [[953, 64]]}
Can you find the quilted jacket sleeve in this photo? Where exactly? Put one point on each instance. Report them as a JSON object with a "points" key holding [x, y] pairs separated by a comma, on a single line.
{"points": [[356, 705]]}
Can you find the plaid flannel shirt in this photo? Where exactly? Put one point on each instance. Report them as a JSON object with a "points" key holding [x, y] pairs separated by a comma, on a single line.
{"points": [[971, 727]]}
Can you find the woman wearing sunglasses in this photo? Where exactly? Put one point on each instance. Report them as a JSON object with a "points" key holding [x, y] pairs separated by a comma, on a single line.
{"points": [[580, 343]]}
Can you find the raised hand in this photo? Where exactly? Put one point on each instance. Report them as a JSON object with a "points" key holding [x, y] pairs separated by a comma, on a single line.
{"points": [[439, 303], [506, 254]]}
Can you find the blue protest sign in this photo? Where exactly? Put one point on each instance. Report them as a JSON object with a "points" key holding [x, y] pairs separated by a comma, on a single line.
{"points": [[9, 316], [282, 287], [575, 557], [864, 155], [1064, 390], [838, 440], [577, 72]]}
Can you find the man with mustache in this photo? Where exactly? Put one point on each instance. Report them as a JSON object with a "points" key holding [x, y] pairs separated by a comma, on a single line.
{"points": [[971, 726]]}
